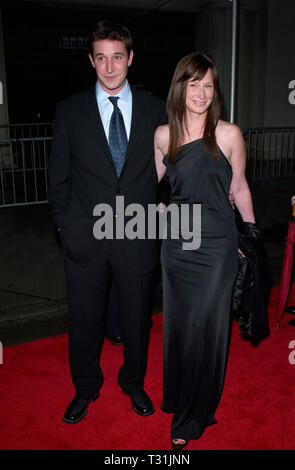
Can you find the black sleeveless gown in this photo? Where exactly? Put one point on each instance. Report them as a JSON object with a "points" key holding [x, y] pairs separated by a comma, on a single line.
{"points": [[197, 292]]}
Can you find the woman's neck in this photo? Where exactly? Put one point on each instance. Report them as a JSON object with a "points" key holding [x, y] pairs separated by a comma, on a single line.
{"points": [[194, 125]]}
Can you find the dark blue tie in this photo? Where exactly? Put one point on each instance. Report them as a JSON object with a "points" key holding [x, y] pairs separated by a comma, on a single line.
{"points": [[117, 136]]}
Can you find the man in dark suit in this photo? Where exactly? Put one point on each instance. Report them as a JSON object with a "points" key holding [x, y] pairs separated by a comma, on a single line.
{"points": [[89, 165]]}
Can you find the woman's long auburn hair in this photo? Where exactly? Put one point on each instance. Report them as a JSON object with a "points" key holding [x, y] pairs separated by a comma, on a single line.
{"points": [[194, 65]]}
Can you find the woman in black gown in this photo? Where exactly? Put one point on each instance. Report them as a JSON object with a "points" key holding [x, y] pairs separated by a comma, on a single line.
{"points": [[204, 159]]}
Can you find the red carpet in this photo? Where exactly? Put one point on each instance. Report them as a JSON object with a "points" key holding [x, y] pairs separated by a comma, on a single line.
{"points": [[257, 410]]}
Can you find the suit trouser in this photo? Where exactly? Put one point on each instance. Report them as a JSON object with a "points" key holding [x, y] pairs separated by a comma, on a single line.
{"points": [[113, 321], [88, 290]]}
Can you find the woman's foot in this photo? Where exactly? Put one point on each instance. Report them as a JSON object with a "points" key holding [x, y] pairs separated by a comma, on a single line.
{"points": [[179, 444]]}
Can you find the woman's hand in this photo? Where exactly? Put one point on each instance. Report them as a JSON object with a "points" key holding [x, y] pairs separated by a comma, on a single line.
{"points": [[241, 253], [231, 199]]}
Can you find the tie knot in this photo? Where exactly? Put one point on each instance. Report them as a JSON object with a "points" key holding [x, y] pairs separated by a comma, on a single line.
{"points": [[114, 100]]}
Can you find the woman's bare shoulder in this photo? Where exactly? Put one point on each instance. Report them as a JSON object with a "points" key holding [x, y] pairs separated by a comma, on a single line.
{"points": [[229, 138], [227, 130], [162, 138], [162, 132]]}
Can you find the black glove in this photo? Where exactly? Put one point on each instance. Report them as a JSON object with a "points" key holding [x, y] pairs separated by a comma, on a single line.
{"points": [[249, 240], [250, 229]]}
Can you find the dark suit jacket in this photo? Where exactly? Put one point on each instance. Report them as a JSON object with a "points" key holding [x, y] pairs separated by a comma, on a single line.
{"points": [[82, 175]]}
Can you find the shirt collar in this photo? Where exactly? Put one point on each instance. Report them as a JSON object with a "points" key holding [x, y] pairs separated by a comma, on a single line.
{"points": [[124, 94]]}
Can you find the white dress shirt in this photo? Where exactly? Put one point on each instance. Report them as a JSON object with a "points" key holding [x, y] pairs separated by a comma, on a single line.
{"points": [[106, 107]]}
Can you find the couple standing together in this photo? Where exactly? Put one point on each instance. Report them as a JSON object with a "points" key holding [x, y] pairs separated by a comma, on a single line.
{"points": [[104, 147]]}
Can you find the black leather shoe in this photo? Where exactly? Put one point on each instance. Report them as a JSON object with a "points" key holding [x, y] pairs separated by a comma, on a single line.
{"points": [[115, 340], [78, 408], [291, 309], [292, 322], [140, 402]]}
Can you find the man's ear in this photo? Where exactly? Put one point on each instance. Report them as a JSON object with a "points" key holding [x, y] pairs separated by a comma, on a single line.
{"points": [[130, 59], [91, 60]]}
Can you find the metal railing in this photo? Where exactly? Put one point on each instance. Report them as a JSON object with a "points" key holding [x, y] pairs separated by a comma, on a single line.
{"points": [[270, 152], [29, 130], [24, 152], [25, 148]]}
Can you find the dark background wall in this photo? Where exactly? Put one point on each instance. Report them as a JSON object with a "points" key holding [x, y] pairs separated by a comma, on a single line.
{"points": [[46, 58]]}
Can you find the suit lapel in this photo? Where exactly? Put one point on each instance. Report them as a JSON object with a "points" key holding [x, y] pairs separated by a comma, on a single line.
{"points": [[137, 126]]}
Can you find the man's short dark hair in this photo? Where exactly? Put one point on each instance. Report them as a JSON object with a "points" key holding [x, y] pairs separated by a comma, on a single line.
{"points": [[110, 30]]}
